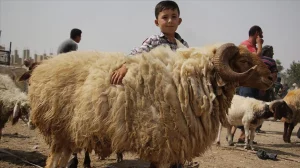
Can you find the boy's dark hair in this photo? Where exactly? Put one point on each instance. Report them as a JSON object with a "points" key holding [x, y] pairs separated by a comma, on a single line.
{"points": [[254, 29], [74, 33], [278, 79], [266, 49], [162, 5]]}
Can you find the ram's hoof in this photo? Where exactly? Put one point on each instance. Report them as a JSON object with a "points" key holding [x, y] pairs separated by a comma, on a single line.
{"points": [[119, 157], [230, 143], [247, 147]]}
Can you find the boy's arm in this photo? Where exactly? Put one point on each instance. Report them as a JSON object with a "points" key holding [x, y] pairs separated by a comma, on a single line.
{"points": [[185, 44], [146, 46], [119, 74]]}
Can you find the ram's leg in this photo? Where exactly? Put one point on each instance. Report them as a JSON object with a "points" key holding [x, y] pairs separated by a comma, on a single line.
{"points": [[219, 135], [64, 158], [246, 128], [53, 158], [229, 136], [87, 160], [285, 137], [252, 135], [73, 163], [119, 157], [289, 132]]}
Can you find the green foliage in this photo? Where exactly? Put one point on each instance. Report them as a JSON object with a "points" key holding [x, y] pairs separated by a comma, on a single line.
{"points": [[293, 73], [279, 66]]}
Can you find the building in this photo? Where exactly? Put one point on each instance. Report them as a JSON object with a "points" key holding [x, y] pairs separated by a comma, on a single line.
{"points": [[2, 54], [16, 59]]}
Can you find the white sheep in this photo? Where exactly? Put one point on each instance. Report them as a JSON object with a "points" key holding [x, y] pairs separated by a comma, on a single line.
{"points": [[167, 110], [251, 113], [13, 102]]}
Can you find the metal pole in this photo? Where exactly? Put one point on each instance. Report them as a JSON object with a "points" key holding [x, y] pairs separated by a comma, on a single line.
{"points": [[9, 52]]}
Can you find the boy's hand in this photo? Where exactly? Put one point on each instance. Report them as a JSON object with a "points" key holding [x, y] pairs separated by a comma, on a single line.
{"points": [[259, 40], [118, 75]]}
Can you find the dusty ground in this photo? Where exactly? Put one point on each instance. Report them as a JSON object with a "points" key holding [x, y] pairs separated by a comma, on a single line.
{"points": [[29, 145]]}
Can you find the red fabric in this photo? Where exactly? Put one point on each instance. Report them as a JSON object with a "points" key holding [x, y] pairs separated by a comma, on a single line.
{"points": [[249, 45]]}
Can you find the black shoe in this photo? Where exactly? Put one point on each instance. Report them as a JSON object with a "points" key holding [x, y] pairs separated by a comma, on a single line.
{"points": [[177, 166], [260, 131], [264, 155]]}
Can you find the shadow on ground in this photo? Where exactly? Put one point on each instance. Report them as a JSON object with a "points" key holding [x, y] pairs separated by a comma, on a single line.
{"points": [[33, 157]]}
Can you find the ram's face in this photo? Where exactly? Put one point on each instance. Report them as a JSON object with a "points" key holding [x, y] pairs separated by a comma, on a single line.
{"points": [[260, 77], [21, 111]]}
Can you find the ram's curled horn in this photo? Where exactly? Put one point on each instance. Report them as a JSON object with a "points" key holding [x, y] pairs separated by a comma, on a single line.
{"points": [[221, 61]]}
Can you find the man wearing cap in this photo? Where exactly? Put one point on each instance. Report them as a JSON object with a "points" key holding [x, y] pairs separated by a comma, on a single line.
{"points": [[268, 95]]}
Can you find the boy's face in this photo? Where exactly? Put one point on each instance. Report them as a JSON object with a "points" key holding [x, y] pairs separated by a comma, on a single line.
{"points": [[77, 39], [168, 20]]}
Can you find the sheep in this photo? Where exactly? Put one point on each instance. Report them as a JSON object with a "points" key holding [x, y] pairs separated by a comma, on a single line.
{"points": [[167, 110], [13, 102], [14, 73], [293, 101], [251, 113]]}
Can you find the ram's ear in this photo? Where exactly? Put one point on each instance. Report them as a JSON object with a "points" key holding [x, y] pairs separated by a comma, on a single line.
{"points": [[25, 76], [220, 81], [16, 113]]}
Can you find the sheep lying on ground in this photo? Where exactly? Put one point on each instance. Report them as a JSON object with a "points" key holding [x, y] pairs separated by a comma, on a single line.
{"points": [[251, 113], [13, 102], [167, 110], [293, 101]]}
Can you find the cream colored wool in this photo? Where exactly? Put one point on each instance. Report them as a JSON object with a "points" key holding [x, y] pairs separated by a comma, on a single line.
{"points": [[14, 73], [293, 101], [10, 96], [9, 93], [166, 111]]}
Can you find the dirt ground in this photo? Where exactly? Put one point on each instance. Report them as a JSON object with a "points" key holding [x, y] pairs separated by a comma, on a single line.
{"points": [[29, 145]]}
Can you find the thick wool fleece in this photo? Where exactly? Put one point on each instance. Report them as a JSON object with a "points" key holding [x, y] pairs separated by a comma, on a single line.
{"points": [[166, 111], [293, 101], [9, 96]]}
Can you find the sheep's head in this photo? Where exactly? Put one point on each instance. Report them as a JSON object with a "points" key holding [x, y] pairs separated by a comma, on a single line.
{"points": [[237, 64], [27, 75], [21, 110], [281, 110]]}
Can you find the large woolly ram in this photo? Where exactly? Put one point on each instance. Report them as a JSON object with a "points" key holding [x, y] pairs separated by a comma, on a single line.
{"points": [[293, 101], [167, 110], [13, 102], [251, 113]]}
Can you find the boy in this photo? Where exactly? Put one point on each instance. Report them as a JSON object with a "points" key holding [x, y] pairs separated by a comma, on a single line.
{"points": [[167, 19], [71, 43]]}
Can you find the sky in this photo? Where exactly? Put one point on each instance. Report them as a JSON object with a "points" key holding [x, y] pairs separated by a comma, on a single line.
{"points": [[121, 25]]}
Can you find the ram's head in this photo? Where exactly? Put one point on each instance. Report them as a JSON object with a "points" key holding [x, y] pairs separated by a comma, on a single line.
{"points": [[237, 64]]}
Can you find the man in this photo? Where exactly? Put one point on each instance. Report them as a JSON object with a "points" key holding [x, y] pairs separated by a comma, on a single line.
{"points": [[68, 46], [267, 58], [269, 95], [255, 41], [71, 43]]}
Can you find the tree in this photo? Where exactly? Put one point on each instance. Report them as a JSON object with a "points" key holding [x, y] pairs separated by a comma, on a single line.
{"points": [[279, 66], [293, 73]]}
